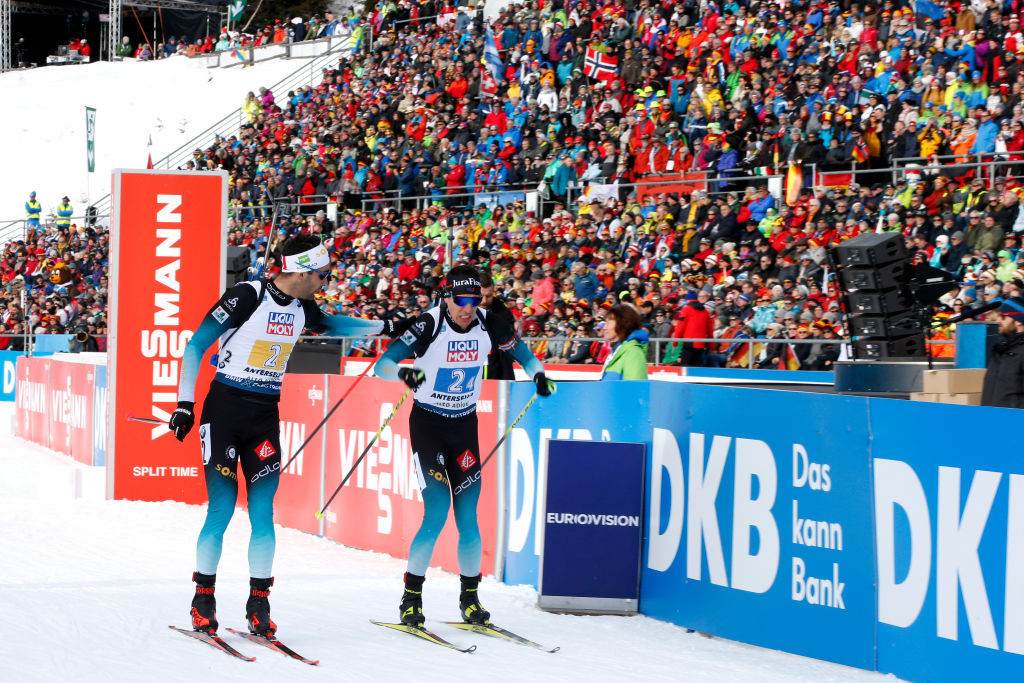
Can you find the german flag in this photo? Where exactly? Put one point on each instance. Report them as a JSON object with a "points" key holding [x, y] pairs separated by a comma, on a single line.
{"points": [[741, 357], [794, 183], [788, 359]]}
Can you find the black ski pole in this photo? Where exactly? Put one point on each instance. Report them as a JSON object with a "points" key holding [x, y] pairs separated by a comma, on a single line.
{"points": [[509, 430], [320, 514], [326, 418]]}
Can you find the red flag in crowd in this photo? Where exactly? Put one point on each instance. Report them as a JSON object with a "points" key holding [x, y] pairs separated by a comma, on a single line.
{"points": [[600, 66], [829, 179], [488, 86]]}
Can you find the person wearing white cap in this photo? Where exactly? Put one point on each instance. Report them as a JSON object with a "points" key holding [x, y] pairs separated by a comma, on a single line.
{"points": [[257, 324]]}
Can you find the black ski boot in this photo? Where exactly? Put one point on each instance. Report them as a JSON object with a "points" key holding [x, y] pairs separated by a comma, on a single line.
{"points": [[204, 605], [411, 608], [469, 603], [257, 607]]}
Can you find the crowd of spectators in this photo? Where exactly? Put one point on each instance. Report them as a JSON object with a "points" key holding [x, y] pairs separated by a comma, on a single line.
{"points": [[287, 30], [736, 92], [55, 280]]}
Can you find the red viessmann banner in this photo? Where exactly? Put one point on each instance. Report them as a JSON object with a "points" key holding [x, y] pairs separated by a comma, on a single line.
{"points": [[168, 247], [380, 508], [302, 408], [70, 396], [31, 419]]}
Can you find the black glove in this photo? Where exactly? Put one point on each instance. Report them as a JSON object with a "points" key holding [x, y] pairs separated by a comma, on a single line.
{"points": [[182, 420], [412, 377], [396, 328], [545, 387]]}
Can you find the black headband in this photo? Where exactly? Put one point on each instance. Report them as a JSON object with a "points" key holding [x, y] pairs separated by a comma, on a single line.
{"points": [[464, 286]]}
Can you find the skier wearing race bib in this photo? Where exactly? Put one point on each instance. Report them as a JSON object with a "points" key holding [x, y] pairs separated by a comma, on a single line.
{"points": [[257, 324], [450, 343]]}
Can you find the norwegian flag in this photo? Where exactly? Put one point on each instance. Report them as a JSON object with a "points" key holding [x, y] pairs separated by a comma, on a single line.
{"points": [[860, 151], [600, 66]]}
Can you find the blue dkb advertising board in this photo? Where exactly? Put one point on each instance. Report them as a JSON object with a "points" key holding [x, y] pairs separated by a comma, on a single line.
{"points": [[758, 527], [593, 526], [949, 509], [759, 520], [878, 533]]}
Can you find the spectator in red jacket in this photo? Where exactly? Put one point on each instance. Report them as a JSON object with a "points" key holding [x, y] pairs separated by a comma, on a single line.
{"points": [[410, 269], [693, 322]]}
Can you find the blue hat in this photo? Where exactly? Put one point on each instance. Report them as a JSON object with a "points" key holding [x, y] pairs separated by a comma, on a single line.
{"points": [[1013, 306], [32, 193], [928, 105], [690, 296], [942, 107], [975, 74]]}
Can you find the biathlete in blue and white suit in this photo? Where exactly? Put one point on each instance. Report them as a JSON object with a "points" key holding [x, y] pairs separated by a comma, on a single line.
{"points": [[450, 343], [258, 324]]}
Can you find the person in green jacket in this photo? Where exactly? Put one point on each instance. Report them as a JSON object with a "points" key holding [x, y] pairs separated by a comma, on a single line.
{"points": [[629, 359]]}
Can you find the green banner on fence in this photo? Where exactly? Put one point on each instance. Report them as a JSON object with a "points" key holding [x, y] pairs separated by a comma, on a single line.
{"points": [[235, 10], [90, 138]]}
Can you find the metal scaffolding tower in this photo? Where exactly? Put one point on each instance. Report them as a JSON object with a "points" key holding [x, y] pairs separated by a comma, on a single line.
{"points": [[5, 35], [113, 29]]}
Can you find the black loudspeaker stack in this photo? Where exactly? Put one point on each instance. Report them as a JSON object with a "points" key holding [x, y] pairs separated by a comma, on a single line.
{"points": [[236, 265], [874, 273]]}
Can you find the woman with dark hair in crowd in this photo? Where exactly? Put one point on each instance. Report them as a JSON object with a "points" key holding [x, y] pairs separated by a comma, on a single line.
{"points": [[629, 359]]}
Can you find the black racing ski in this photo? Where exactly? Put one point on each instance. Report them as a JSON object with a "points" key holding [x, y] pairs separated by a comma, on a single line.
{"points": [[421, 632], [500, 633], [214, 641], [274, 644]]}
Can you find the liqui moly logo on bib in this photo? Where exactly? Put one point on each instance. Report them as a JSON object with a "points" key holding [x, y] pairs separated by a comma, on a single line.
{"points": [[281, 323], [463, 351]]}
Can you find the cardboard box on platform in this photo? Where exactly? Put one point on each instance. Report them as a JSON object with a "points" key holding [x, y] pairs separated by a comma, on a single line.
{"points": [[964, 381], [972, 399], [963, 399]]}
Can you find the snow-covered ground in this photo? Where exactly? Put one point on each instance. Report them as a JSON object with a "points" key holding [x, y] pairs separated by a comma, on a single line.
{"points": [[89, 586], [43, 121]]}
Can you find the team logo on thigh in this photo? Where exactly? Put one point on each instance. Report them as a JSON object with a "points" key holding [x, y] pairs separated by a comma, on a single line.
{"points": [[231, 453], [466, 460], [440, 459], [265, 450], [204, 443]]}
